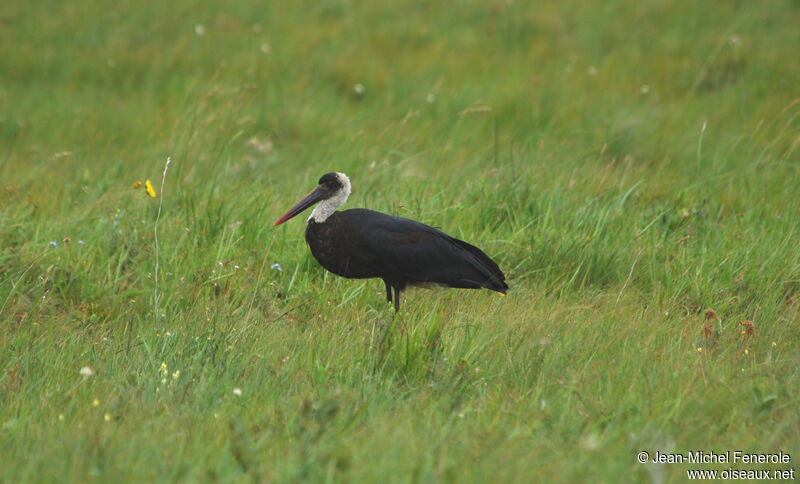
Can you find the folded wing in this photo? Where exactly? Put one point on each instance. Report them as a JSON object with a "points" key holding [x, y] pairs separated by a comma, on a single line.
{"points": [[407, 251]]}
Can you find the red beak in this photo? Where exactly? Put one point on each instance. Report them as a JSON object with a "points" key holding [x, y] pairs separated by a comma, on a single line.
{"points": [[313, 197]]}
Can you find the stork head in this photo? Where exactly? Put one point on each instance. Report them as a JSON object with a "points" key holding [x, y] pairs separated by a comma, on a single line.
{"points": [[332, 190]]}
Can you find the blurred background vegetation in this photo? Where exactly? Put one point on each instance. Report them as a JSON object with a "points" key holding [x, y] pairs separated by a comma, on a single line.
{"points": [[631, 165]]}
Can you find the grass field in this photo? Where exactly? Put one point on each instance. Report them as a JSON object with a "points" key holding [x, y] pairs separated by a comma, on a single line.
{"points": [[631, 165]]}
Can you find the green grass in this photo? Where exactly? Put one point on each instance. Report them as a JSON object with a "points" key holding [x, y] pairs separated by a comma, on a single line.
{"points": [[629, 165]]}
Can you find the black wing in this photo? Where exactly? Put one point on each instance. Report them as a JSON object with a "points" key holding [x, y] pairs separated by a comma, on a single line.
{"points": [[407, 251]]}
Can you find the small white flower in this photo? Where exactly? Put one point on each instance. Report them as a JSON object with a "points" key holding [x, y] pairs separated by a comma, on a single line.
{"points": [[237, 391], [276, 266], [358, 89], [592, 70], [265, 48], [431, 98], [86, 372], [591, 442], [644, 89], [260, 146], [199, 29]]}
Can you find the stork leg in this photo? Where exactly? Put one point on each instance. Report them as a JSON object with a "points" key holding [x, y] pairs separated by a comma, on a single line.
{"points": [[388, 292], [396, 299], [389, 298]]}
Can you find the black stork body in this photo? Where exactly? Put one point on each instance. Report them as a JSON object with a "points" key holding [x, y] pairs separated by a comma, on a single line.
{"points": [[360, 244]]}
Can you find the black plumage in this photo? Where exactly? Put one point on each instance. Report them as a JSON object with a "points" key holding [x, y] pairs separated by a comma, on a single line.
{"points": [[360, 243]]}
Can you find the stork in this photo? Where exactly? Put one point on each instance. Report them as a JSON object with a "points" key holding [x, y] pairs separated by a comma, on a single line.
{"points": [[361, 243]]}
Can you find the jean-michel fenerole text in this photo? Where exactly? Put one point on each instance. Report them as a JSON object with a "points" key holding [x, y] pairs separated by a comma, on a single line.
{"points": [[725, 457]]}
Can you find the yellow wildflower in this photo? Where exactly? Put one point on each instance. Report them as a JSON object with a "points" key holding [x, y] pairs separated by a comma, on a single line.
{"points": [[107, 417], [149, 187], [137, 185], [96, 403]]}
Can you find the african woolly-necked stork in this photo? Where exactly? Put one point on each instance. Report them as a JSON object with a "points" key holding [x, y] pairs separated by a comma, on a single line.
{"points": [[360, 243]]}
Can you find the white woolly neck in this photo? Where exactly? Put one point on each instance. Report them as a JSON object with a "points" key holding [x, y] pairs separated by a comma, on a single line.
{"points": [[329, 205]]}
